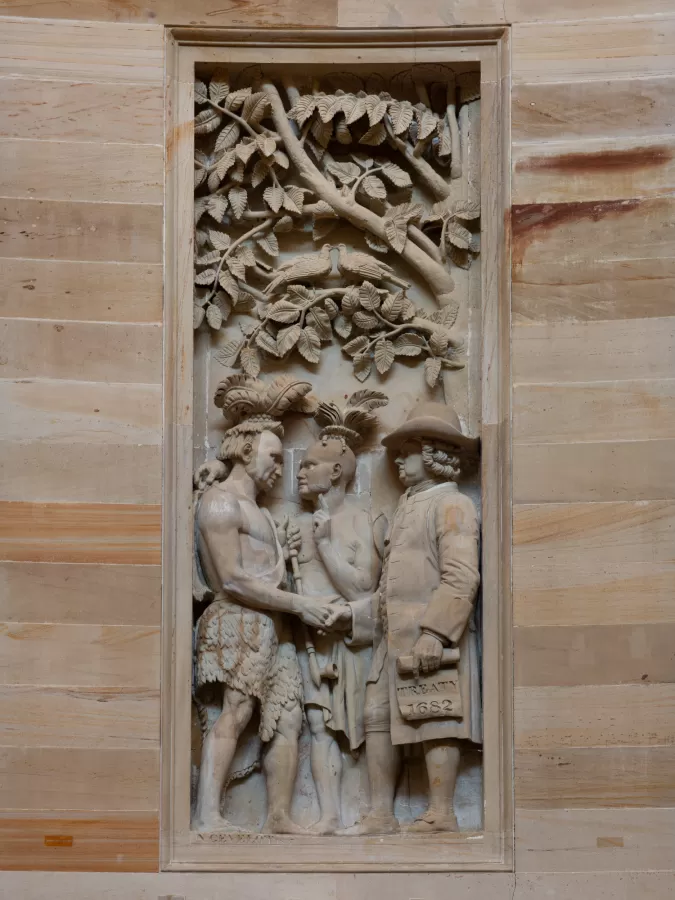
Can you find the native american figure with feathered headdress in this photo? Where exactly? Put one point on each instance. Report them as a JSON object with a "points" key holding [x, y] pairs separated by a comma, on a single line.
{"points": [[243, 641], [338, 554]]}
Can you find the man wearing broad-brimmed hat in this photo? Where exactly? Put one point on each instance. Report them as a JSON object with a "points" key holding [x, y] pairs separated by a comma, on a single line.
{"points": [[423, 686]]}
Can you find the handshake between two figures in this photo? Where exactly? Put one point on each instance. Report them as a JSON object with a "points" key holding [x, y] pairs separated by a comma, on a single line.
{"points": [[331, 613]]}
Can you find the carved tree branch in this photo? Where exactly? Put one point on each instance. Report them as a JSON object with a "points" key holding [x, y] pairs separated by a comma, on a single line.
{"points": [[253, 291], [292, 92], [420, 238], [451, 112], [365, 174], [425, 243], [263, 226], [435, 274], [438, 186], [463, 134], [416, 324], [422, 93], [235, 118]]}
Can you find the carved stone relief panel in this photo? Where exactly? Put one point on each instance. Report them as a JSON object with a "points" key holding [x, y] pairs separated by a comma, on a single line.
{"points": [[338, 490]]}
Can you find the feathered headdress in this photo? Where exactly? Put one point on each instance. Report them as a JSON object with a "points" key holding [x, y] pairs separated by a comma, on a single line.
{"points": [[245, 400], [249, 404], [353, 422]]}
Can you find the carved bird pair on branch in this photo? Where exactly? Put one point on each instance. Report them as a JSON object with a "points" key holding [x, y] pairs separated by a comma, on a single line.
{"points": [[351, 265]]}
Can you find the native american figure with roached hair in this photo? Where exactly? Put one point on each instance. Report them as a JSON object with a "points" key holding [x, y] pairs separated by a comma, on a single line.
{"points": [[243, 642], [337, 554]]}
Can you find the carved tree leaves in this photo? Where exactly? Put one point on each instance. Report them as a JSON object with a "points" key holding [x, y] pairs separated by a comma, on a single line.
{"points": [[396, 221], [274, 197], [242, 140], [456, 239], [377, 325], [269, 244], [214, 310], [328, 107], [432, 369], [207, 120], [376, 135], [254, 108], [336, 112], [372, 119], [248, 193], [238, 200], [287, 338], [303, 109], [401, 115], [353, 107], [383, 354], [395, 174], [238, 157], [374, 178], [219, 86], [228, 355], [284, 311], [309, 344], [250, 361]]}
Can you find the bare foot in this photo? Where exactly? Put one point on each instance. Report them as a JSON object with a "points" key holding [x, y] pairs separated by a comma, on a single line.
{"points": [[432, 821], [215, 823], [328, 825], [372, 824], [280, 823]]}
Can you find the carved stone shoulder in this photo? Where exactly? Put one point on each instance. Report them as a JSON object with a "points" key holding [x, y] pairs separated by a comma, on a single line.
{"points": [[455, 512], [218, 508]]}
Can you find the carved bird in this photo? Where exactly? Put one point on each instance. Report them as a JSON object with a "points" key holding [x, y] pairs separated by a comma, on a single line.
{"points": [[302, 268], [361, 265]]}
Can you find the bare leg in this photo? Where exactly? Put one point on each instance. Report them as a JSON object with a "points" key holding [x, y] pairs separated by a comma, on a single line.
{"points": [[442, 761], [217, 754], [383, 764], [280, 766], [383, 760], [326, 761]]}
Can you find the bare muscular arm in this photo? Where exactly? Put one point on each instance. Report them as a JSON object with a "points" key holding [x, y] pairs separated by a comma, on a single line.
{"points": [[360, 576], [220, 523]]}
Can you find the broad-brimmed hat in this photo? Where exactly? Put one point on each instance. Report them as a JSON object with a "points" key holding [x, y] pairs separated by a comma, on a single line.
{"points": [[436, 421]]}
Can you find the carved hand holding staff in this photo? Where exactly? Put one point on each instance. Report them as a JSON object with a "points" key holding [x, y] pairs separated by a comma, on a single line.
{"points": [[244, 566], [338, 554], [314, 670], [276, 168]]}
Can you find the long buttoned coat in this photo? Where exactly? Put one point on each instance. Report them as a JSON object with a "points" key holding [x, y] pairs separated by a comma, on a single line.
{"points": [[429, 582]]}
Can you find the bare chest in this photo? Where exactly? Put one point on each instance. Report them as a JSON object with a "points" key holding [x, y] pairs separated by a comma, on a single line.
{"points": [[344, 542], [343, 538], [257, 536]]}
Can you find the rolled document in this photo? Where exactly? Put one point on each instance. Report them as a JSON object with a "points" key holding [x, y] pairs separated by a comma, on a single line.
{"points": [[404, 664]]}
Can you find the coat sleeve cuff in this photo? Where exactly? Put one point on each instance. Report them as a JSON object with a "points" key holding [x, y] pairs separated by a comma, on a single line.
{"points": [[363, 623], [446, 616]]}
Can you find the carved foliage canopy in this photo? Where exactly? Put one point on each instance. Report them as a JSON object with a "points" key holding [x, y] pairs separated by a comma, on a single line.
{"points": [[276, 158]]}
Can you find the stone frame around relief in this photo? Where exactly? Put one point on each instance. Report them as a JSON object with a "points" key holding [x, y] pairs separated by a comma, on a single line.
{"points": [[491, 848]]}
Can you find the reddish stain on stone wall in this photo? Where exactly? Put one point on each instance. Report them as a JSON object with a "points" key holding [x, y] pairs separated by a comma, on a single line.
{"points": [[530, 220]]}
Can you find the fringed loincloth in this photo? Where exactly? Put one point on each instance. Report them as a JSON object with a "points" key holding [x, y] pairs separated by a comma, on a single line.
{"points": [[241, 648]]}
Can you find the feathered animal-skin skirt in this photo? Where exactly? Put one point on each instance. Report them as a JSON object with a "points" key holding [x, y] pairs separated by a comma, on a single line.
{"points": [[251, 652]]}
